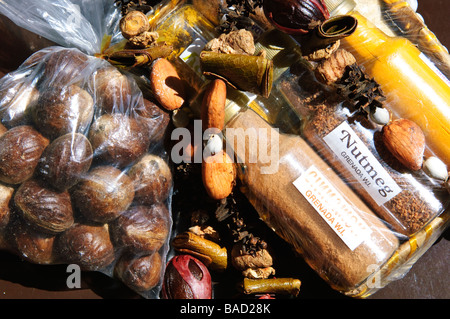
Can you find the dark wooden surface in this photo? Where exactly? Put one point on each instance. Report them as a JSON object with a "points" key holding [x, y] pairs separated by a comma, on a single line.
{"points": [[427, 279]]}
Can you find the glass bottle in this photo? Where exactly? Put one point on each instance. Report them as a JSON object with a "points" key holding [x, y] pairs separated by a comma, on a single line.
{"points": [[292, 188], [414, 87]]}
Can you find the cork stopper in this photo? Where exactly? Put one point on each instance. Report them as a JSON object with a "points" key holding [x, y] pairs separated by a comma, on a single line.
{"points": [[339, 7]]}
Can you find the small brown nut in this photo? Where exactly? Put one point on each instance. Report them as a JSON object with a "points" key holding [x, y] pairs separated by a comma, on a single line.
{"points": [[6, 193], [103, 194], [20, 150], [406, 141], [112, 90], [63, 67], [142, 228], [152, 179], [33, 245], [65, 160], [48, 210], [218, 175], [16, 102], [140, 273], [118, 139], [213, 105], [88, 246], [133, 24], [167, 85], [155, 118], [63, 110]]}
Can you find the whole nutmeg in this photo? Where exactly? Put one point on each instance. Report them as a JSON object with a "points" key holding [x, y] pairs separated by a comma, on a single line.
{"points": [[20, 150], [65, 160], [16, 102], [140, 273], [64, 67], [118, 139], [155, 118], [63, 110], [186, 278], [142, 228], [103, 193], [295, 16], [152, 179], [88, 246], [33, 245], [48, 210], [112, 91]]}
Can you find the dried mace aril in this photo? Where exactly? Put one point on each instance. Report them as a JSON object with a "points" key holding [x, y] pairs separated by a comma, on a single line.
{"points": [[295, 16], [186, 278]]}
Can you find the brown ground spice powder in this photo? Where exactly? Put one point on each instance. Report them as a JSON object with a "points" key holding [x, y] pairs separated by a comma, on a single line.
{"points": [[282, 206], [409, 211]]}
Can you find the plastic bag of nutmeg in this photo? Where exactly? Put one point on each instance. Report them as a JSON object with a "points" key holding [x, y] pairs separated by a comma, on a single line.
{"points": [[84, 173]]}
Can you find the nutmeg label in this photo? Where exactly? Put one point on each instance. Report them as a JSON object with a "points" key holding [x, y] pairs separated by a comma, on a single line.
{"points": [[362, 164], [333, 207]]}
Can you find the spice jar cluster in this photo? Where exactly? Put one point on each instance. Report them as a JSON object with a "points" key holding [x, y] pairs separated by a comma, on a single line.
{"points": [[298, 124]]}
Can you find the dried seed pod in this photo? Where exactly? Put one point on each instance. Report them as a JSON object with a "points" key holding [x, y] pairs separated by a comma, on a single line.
{"points": [[112, 90], [64, 67], [186, 278], [20, 150], [140, 273], [406, 141], [218, 175], [48, 210], [213, 105], [32, 245], [435, 168], [63, 110], [142, 228], [133, 24], [167, 85], [295, 16], [118, 139], [16, 102], [88, 246], [103, 194], [289, 286], [152, 179], [65, 160]]}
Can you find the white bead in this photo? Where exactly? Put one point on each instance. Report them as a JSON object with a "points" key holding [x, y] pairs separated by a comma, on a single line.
{"points": [[380, 116], [434, 167], [214, 144]]}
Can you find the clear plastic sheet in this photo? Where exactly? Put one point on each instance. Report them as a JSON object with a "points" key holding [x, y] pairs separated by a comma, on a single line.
{"points": [[85, 175]]}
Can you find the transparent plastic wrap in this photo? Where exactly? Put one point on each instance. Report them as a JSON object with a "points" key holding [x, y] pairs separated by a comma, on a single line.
{"points": [[393, 245], [85, 176]]}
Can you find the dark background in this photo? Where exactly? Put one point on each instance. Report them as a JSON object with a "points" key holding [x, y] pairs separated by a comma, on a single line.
{"points": [[427, 279]]}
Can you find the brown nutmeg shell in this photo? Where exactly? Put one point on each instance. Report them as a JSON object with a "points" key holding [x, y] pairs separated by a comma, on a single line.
{"points": [[142, 228], [155, 118], [152, 179], [63, 110], [103, 194], [118, 139], [32, 245], [112, 91], [88, 246], [65, 160], [48, 210], [20, 150], [140, 273], [63, 67]]}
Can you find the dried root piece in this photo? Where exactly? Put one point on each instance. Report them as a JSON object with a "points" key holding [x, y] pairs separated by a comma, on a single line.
{"points": [[332, 69], [144, 39], [235, 42]]}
